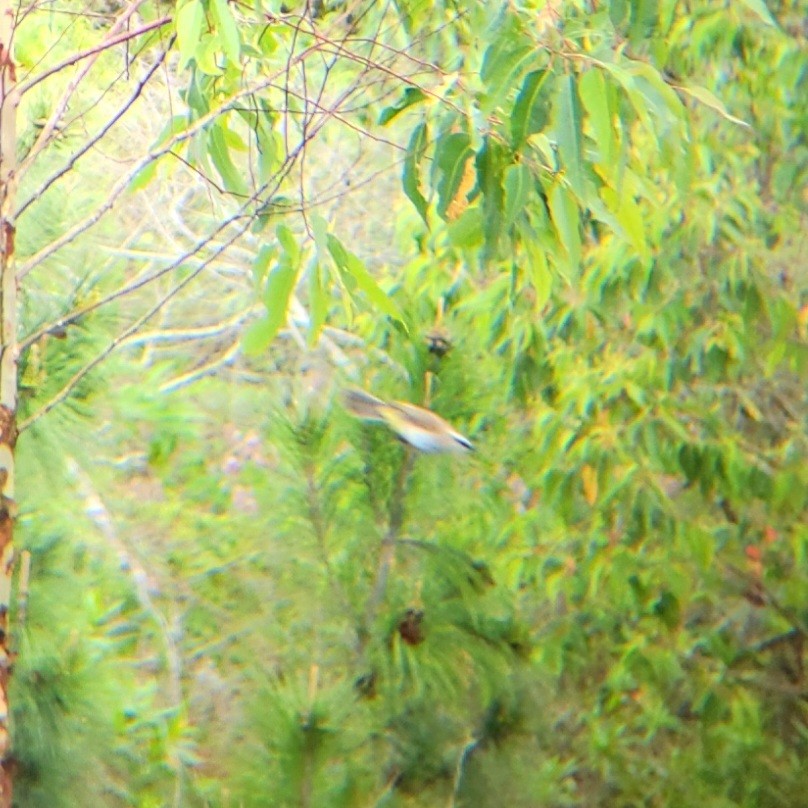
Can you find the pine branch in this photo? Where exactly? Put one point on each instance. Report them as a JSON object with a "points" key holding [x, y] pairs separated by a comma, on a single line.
{"points": [[387, 550]]}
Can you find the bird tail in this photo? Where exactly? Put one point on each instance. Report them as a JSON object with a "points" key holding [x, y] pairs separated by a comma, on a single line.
{"points": [[363, 405]]}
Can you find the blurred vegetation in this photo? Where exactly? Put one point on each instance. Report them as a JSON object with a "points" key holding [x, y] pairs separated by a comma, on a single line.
{"points": [[593, 267]]}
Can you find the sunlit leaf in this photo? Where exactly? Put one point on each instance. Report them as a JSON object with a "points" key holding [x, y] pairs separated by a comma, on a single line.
{"points": [[226, 29], [355, 274], [759, 7], [532, 108], [291, 250], [467, 231], [189, 19], [594, 95], [280, 285], [232, 178], [709, 99], [410, 97], [318, 301], [517, 186], [411, 179], [451, 153], [490, 163], [569, 124], [564, 212]]}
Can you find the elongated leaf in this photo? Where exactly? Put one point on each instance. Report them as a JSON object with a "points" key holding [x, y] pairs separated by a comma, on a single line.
{"points": [[638, 101], [466, 232], [564, 213], [256, 337], [291, 250], [490, 167], [411, 180], [451, 153], [594, 95], [537, 267], [143, 177], [569, 131], [232, 178], [630, 218], [411, 96], [712, 101], [280, 285], [354, 275], [503, 65], [759, 7], [226, 29], [318, 301], [532, 108], [644, 14], [517, 186], [319, 228], [260, 263], [189, 29]]}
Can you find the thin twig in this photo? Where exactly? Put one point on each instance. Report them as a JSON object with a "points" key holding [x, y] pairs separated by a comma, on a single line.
{"points": [[94, 51]]}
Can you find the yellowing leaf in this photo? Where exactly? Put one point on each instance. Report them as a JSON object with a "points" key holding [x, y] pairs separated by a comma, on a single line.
{"points": [[460, 202], [589, 479]]}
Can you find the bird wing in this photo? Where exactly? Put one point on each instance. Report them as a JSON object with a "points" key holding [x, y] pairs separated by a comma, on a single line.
{"points": [[364, 405]]}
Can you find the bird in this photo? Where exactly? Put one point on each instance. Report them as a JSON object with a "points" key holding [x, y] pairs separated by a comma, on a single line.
{"points": [[416, 426]]}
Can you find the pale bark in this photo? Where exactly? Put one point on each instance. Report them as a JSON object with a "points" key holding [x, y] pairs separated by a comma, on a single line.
{"points": [[8, 374]]}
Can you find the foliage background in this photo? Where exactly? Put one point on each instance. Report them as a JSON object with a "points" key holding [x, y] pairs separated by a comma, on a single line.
{"points": [[240, 596]]}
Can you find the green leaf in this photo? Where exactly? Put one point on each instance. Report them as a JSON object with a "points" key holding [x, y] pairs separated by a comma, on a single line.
{"points": [[354, 275], [712, 101], [569, 132], [644, 14], [759, 8], [189, 29], [531, 110], [451, 154], [503, 64], [490, 166], [668, 610], [466, 231], [630, 218], [637, 99], [280, 285], [517, 184], [232, 178], [257, 337], [318, 301], [538, 270], [594, 95], [261, 261], [319, 229], [411, 179], [291, 250], [143, 176], [226, 29], [564, 213], [411, 96]]}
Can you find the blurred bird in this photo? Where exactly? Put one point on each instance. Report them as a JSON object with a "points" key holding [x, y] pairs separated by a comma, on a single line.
{"points": [[420, 428]]}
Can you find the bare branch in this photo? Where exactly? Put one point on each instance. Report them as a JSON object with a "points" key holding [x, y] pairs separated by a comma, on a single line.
{"points": [[208, 369], [96, 50], [114, 119]]}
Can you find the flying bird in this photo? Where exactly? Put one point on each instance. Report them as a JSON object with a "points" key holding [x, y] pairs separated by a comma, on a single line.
{"points": [[416, 426]]}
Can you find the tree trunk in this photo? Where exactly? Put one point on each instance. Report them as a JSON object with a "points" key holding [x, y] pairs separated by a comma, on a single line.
{"points": [[8, 373]]}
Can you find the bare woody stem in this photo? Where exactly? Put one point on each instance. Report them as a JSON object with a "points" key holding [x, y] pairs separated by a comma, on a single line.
{"points": [[9, 98]]}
